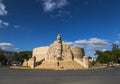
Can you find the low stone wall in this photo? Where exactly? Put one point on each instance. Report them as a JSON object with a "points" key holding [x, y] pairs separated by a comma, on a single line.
{"points": [[84, 62]]}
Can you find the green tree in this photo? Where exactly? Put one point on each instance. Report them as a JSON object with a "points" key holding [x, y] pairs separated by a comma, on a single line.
{"points": [[116, 52], [3, 59], [100, 56], [22, 55], [109, 56], [115, 46], [103, 57]]}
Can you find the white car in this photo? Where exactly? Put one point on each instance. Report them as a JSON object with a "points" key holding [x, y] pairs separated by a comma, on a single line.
{"points": [[15, 63], [111, 65]]}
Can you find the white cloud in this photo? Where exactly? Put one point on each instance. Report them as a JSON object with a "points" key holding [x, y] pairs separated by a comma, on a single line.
{"points": [[16, 26], [8, 47], [3, 24], [50, 5], [119, 36], [95, 43], [117, 42], [91, 44], [69, 43], [81, 42], [3, 11], [61, 3]]}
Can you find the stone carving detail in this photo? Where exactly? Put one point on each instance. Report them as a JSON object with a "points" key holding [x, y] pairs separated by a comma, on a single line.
{"points": [[59, 51]]}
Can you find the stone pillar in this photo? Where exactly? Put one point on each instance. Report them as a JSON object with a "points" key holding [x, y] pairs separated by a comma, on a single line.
{"points": [[59, 47], [25, 62], [86, 62], [33, 61]]}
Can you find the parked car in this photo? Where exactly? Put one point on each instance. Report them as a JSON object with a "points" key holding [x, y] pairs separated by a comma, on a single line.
{"points": [[111, 65], [15, 63]]}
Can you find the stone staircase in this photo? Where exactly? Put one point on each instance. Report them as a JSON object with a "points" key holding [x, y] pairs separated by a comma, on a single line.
{"points": [[63, 65]]}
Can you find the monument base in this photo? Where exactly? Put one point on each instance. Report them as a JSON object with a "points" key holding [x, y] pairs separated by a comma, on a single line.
{"points": [[59, 65]]}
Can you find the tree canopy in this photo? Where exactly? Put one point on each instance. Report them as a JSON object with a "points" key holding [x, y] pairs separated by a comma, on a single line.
{"points": [[3, 59], [109, 56], [22, 55]]}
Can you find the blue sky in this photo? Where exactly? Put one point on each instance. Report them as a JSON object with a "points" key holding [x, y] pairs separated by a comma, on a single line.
{"points": [[91, 24]]}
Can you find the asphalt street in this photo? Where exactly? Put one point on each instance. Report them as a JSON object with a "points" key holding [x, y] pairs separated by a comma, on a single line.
{"points": [[105, 76]]}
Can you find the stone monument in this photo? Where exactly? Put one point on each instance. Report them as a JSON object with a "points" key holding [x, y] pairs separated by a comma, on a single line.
{"points": [[58, 55]]}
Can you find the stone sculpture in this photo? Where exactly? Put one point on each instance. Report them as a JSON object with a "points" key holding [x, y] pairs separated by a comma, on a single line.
{"points": [[58, 54]]}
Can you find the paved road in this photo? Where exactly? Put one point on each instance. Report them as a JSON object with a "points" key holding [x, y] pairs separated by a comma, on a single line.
{"points": [[108, 76]]}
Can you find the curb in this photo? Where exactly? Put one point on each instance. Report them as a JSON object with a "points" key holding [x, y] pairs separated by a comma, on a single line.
{"points": [[90, 69]]}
